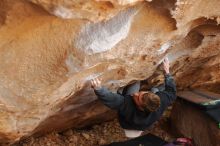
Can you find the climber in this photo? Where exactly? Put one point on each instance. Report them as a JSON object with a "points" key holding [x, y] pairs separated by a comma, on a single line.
{"points": [[138, 110]]}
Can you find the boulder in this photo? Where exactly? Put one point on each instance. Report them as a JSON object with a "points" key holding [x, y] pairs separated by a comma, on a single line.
{"points": [[49, 51], [188, 121]]}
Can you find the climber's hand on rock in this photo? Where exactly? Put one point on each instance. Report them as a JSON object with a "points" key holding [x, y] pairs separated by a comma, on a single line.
{"points": [[96, 83], [166, 65]]}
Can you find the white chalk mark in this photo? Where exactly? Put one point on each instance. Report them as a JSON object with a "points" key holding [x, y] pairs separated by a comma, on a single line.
{"points": [[164, 48], [93, 76], [173, 56], [100, 37], [63, 12], [73, 64]]}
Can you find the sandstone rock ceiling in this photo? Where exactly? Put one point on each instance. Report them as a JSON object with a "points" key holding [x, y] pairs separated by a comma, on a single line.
{"points": [[49, 50]]}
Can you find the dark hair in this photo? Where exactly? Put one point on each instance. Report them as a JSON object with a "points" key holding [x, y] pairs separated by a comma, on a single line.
{"points": [[151, 102]]}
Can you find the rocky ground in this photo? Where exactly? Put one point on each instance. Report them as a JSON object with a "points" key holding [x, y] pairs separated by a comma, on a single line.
{"points": [[96, 135]]}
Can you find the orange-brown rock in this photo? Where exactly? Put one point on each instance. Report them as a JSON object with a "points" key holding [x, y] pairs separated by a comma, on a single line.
{"points": [[94, 10], [47, 61]]}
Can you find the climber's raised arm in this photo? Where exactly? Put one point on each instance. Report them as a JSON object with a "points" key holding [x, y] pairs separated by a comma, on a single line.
{"points": [[112, 100]]}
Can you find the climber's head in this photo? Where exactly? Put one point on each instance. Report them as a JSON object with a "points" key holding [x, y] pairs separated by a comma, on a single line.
{"points": [[146, 101]]}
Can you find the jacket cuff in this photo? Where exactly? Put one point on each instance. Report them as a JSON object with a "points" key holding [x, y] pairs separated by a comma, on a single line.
{"points": [[99, 89]]}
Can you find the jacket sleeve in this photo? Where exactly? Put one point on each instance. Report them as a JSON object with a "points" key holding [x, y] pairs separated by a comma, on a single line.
{"points": [[170, 90], [112, 100]]}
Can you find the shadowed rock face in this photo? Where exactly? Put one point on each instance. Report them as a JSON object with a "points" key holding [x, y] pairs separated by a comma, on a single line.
{"points": [[46, 61], [184, 125]]}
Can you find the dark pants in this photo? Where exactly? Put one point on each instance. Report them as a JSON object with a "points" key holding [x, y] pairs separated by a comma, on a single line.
{"points": [[131, 89]]}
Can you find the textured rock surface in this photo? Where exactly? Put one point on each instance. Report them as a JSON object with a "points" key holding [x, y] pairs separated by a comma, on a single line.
{"points": [[46, 61], [204, 131], [94, 10]]}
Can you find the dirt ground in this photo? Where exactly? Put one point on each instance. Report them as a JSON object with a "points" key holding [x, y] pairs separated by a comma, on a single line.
{"points": [[96, 135]]}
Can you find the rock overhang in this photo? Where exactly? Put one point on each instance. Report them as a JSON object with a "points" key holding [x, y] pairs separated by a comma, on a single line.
{"points": [[49, 57]]}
